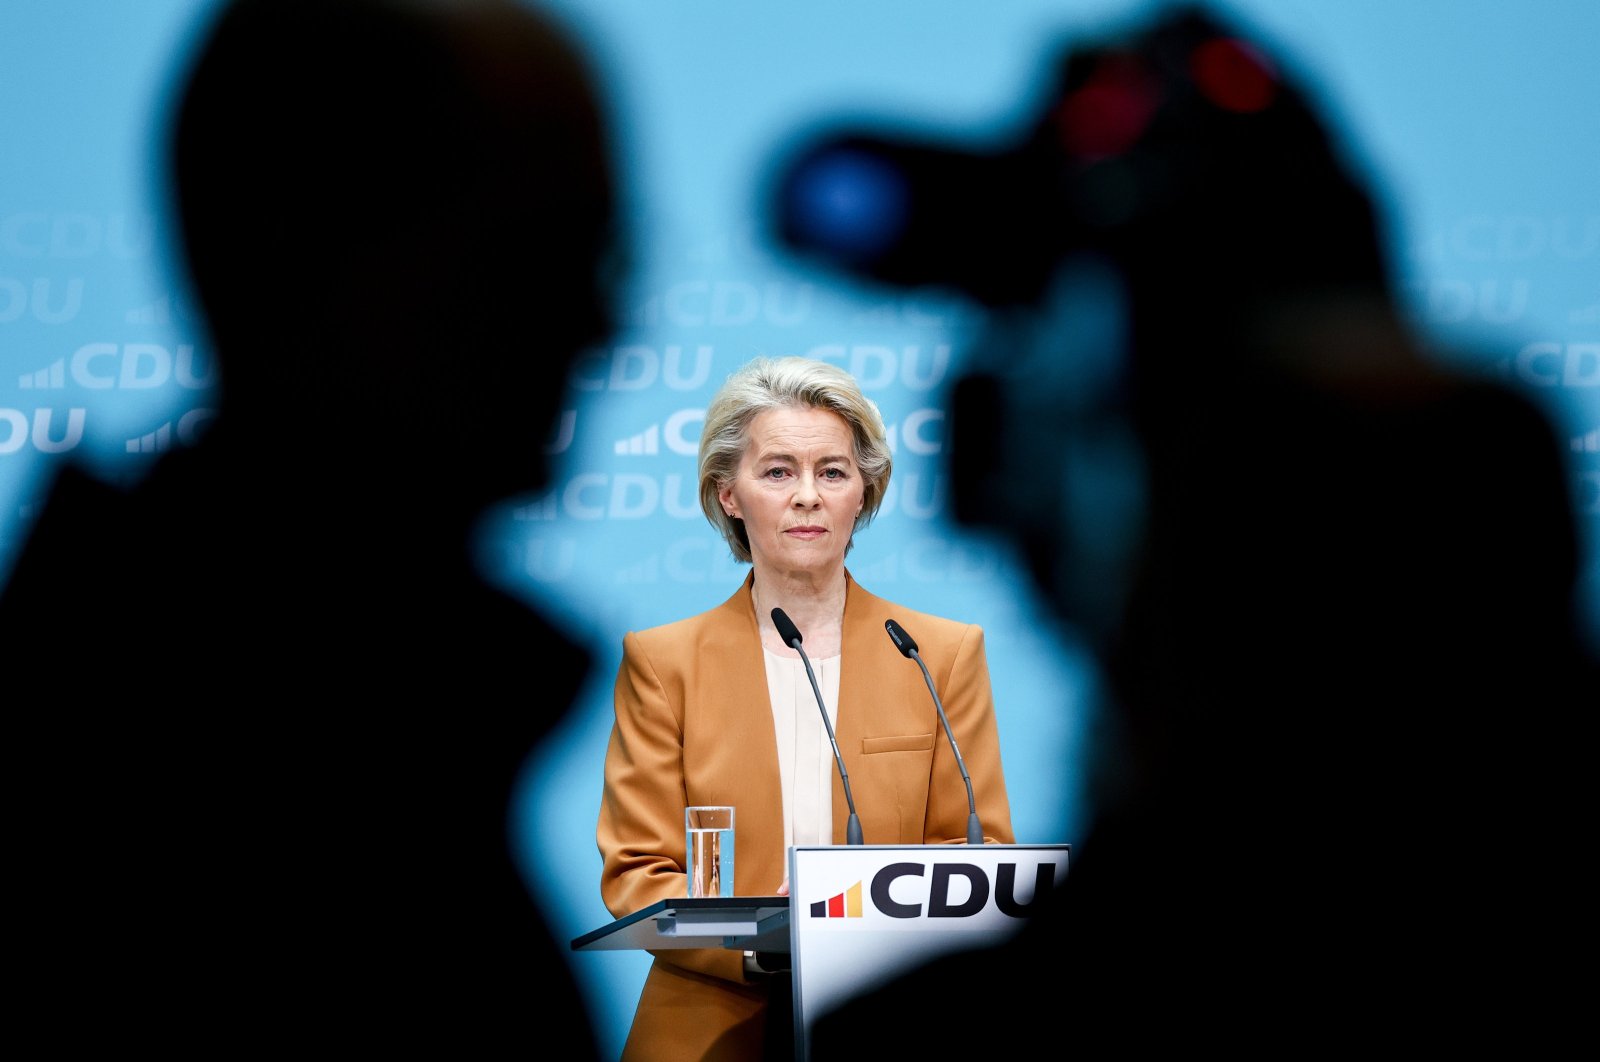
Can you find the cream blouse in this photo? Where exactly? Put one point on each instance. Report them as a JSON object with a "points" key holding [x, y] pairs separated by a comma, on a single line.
{"points": [[806, 765]]}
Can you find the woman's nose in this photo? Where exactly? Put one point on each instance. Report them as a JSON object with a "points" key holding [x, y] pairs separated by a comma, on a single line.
{"points": [[805, 492]]}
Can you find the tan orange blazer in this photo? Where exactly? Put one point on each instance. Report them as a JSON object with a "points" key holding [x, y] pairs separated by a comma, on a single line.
{"points": [[694, 726]]}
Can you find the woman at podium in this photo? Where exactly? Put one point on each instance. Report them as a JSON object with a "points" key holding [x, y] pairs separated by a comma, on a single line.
{"points": [[727, 706]]}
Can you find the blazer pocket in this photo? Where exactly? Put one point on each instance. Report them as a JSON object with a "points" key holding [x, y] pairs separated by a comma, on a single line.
{"points": [[897, 743]]}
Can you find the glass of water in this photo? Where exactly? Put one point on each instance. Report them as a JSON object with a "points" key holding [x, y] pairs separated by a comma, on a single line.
{"points": [[708, 842]]}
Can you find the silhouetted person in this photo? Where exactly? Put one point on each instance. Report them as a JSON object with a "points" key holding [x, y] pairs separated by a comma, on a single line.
{"points": [[268, 800], [1341, 797]]}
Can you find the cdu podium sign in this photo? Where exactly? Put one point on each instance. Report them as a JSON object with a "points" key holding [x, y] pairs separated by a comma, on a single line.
{"points": [[861, 913]]}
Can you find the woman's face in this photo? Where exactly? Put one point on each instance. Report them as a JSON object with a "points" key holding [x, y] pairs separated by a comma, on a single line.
{"points": [[798, 491]]}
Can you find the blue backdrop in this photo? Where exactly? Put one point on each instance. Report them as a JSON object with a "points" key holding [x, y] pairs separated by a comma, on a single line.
{"points": [[1474, 120]]}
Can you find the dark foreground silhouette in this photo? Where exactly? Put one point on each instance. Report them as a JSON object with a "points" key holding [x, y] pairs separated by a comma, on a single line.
{"points": [[260, 792], [1340, 799]]}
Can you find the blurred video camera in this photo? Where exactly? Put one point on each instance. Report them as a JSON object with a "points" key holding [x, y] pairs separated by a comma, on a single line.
{"points": [[1185, 114], [1165, 170]]}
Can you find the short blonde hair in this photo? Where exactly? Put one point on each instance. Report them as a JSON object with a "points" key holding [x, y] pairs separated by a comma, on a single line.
{"points": [[764, 384]]}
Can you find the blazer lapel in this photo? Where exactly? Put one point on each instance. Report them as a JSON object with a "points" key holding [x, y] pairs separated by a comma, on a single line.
{"points": [[751, 753]]}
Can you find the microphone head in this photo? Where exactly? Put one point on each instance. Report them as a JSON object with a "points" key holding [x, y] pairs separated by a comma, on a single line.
{"points": [[786, 628], [902, 640]]}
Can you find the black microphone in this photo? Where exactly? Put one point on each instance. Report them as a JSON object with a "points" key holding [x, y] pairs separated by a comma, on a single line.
{"points": [[791, 637], [908, 648]]}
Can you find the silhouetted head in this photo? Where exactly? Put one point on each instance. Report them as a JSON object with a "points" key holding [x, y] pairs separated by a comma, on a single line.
{"points": [[399, 219], [1206, 174]]}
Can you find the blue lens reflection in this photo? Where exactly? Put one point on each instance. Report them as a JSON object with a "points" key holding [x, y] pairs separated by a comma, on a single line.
{"points": [[849, 203]]}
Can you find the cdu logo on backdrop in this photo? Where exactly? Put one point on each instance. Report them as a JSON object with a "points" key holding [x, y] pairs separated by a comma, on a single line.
{"points": [[124, 367]]}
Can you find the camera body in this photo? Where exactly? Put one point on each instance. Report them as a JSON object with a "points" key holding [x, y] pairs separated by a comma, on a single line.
{"points": [[1170, 187], [1181, 123]]}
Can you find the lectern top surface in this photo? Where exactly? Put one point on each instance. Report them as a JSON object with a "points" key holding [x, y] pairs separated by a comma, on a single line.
{"points": [[703, 921]]}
